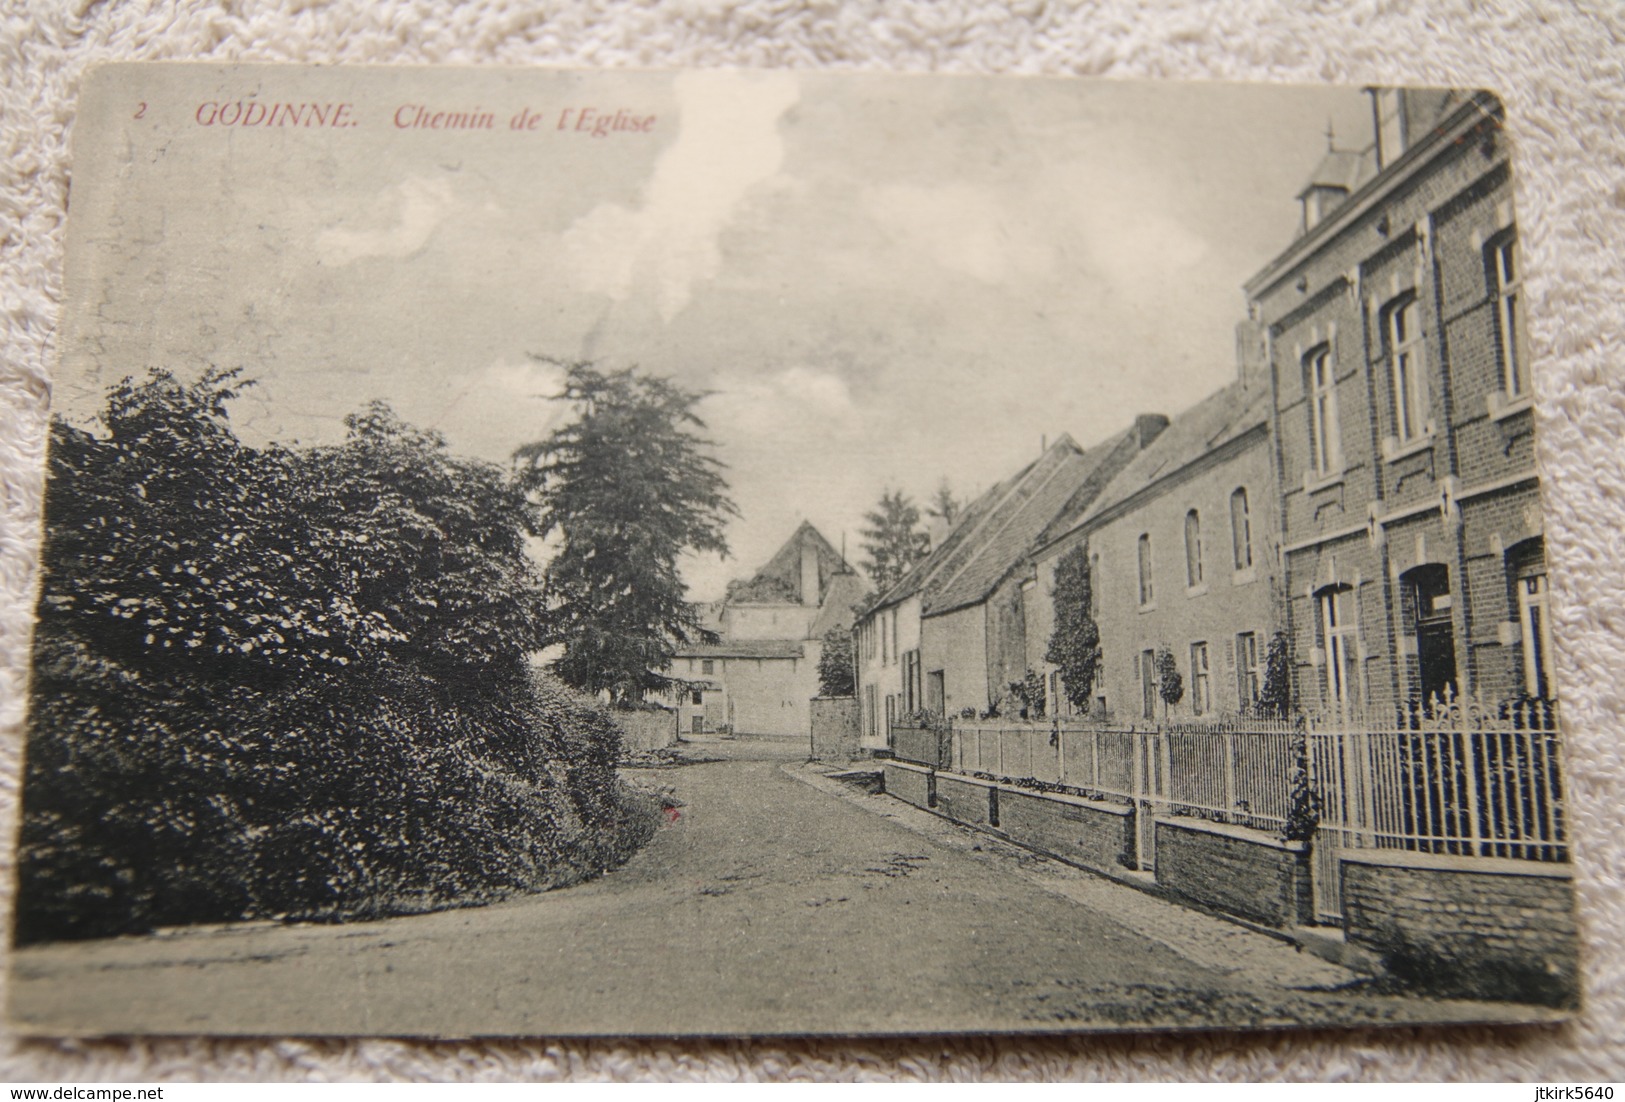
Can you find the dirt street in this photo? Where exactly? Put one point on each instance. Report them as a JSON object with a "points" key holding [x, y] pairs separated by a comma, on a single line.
{"points": [[768, 905]]}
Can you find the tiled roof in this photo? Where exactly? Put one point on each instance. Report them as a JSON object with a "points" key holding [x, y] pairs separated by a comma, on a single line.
{"points": [[1222, 416], [1012, 528], [841, 595], [779, 582]]}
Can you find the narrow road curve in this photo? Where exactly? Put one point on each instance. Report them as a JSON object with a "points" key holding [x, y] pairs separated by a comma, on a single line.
{"points": [[765, 906]]}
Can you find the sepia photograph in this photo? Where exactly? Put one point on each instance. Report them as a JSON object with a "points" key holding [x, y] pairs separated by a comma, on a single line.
{"points": [[775, 553]]}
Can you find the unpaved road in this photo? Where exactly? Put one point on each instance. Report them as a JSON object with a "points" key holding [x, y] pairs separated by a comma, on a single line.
{"points": [[767, 906]]}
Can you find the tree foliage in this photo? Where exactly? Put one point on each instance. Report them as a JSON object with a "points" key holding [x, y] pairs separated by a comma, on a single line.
{"points": [[944, 505], [626, 487], [277, 682], [1275, 699], [893, 540], [836, 673], [1074, 644], [1170, 682]]}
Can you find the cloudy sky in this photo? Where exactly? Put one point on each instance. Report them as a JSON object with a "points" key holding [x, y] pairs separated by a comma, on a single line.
{"points": [[882, 281]]}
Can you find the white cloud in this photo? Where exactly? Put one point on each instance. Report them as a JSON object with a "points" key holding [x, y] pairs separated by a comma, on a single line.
{"points": [[728, 142], [964, 228], [405, 218]]}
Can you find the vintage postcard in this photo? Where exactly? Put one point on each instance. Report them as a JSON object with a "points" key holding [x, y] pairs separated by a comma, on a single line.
{"points": [[745, 553]]}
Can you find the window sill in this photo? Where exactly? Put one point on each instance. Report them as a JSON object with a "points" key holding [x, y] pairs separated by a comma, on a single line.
{"points": [[1501, 406], [1393, 450], [1314, 482], [1197, 590], [1149, 606], [1245, 577]]}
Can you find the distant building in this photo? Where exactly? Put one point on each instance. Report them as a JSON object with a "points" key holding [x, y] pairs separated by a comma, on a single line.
{"points": [[1413, 557], [953, 634], [760, 676]]}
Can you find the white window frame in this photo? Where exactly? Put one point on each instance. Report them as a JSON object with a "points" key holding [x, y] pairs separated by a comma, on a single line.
{"points": [[1535, 626], [1148, 592], [1506, 266], [1247, 672], [1325, 432], [1201, 680], [1241, 530], [1407, 370], [1193, 550], [1340, 635]]}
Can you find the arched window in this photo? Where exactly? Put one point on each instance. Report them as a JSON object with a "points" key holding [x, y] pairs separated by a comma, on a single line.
{"points": [[1147, 593], [1241, 530], [1427, 602], [1406, 369], [1325, 435], [1193, 549], [1505, 272], [1526, 568], [1339, 632]]}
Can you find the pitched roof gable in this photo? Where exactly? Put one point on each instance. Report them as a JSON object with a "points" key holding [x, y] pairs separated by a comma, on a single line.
{"points": [[779, 582], [1223, 416]]}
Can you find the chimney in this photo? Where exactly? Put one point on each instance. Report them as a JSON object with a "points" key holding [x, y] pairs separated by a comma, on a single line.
{"points": [[1252, 366], [809, 574], [1147, 427]]}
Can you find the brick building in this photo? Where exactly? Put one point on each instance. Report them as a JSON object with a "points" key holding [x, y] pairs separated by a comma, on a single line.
{"points": [[1412, 550]]}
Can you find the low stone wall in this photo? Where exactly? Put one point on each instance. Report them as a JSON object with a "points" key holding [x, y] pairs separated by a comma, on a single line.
{"points": [[965, 799], [921, 745], [647, 730], [1095, 835], [1235, 869], [908, 782], [1467, 927], [835, 728]]}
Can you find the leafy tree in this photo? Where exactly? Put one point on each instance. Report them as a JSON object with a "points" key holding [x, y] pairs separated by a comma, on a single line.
{"points": [[836, 676], [263, 681], [1074, 644], [944, 506], [894, 540], [626, 487], [1275, 699], [1029, 692], [1170, 683]]}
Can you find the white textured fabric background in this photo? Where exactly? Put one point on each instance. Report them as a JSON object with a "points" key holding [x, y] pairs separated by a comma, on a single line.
{"points": [[1560, 70]]}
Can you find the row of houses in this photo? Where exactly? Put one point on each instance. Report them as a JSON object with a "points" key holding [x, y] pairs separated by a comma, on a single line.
{"points": [[1366, 485]]}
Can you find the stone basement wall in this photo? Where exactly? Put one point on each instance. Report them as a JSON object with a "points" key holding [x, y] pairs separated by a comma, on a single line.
{"points": [[835, 728], [1088, 833], [1484, 928], [913, 784], [1237, 870], [966, 799], [1095, 835], [647, 730]]}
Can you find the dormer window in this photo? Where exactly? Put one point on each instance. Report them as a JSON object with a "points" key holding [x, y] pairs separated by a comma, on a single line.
{"points": [[1388, 105]]}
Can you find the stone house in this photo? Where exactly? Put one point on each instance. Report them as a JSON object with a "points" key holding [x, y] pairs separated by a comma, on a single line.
{"points": [[761, 674], [1413, 560], [952, 634], [1182, 549]]}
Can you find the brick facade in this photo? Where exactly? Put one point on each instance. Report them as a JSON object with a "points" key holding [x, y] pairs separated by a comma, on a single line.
{"points": [[1233, 869], [1409, 499]]}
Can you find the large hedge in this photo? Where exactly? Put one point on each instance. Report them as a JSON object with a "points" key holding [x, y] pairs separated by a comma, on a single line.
{"points": [[274, 682]]}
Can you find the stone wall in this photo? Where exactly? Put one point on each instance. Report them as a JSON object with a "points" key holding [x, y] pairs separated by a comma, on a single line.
{"points": [[1095, 835], [835, 728], [647, 730], [1479, 928], [965, 799], [1237, 870], [908, 782]]}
